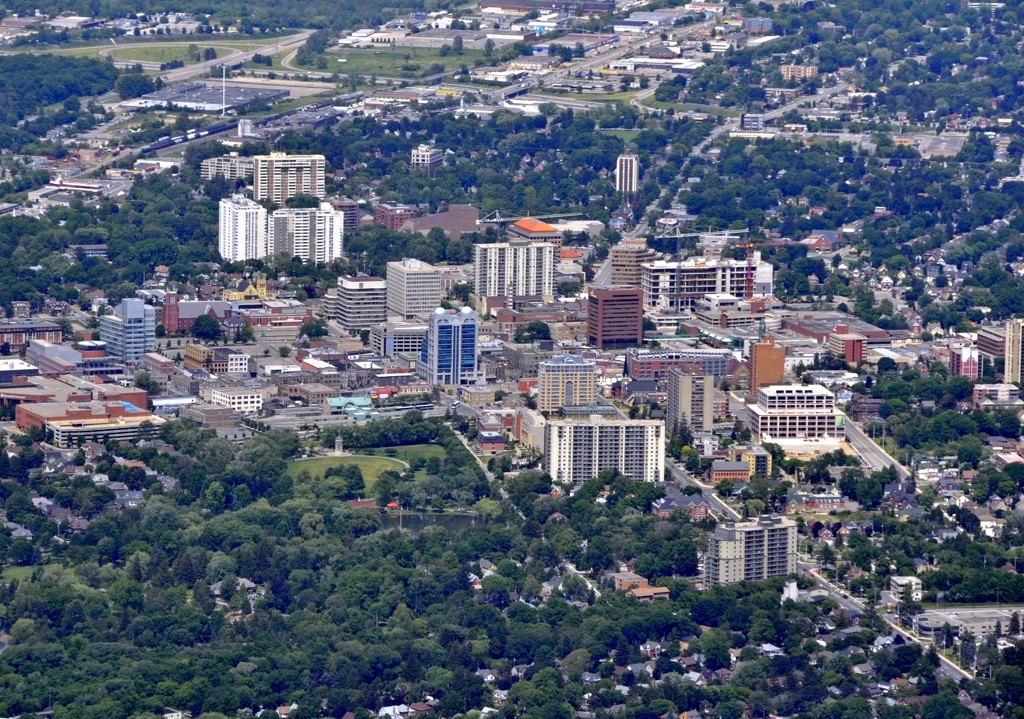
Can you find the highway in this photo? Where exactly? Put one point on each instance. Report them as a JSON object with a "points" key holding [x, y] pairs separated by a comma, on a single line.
{"points": [[870, 453], [237, 58]]}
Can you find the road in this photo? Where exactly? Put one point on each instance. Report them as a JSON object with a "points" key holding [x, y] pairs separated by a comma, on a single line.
{"points": [[870, 453], [603, 276], [946, 667], [203, 68], [566, 564], [682, 476]]}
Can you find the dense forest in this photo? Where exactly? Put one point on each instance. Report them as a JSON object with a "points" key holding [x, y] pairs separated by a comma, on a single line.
{"points": [[31, 82]]}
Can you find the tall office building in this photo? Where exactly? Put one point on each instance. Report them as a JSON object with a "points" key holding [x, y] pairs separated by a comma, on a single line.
{"points": [[615, 316], [313, 234], [691, 400], [278, 176], [577, 450], [627, 174], [767, 364], [450, 354], [242, 231], [627, 258], [426, 159], [751, 551], [566, 381], [1014, 351], [795, 412], [517, 268], [130, 332], [358, 303], [414, 288]]}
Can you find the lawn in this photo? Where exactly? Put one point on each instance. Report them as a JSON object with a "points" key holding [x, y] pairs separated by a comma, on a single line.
{"points": [[411, 452], [405, 62], [690, 107], [627, 136], [371, 467]]}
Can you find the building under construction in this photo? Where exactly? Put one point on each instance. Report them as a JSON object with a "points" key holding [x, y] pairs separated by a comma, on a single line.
{"points": [[680, 284]]}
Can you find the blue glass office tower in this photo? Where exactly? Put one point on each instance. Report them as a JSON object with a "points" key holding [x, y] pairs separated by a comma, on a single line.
{"points": [[449, 355]]}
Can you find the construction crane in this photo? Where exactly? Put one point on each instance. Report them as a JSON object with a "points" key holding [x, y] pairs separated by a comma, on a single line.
{"points": [[749, 246], [497, 218]]}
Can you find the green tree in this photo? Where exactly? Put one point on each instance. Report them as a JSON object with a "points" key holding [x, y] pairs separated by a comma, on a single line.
{"points": [[207, 327]]}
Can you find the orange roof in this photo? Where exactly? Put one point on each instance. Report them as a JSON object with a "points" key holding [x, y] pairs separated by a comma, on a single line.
{"points": [[566, 254], [531, 225]]}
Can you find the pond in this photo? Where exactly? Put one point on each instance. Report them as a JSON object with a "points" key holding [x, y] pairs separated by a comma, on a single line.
{"points": [[416, 522]]}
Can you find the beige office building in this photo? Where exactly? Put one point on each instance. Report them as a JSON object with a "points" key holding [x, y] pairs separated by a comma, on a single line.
{"points": [[358, 303], [1014, 339], [414, 288], [627, 258], [566, 381], [577, 450], [278, 176], [751, 551], [798, 412], [691, 400]]}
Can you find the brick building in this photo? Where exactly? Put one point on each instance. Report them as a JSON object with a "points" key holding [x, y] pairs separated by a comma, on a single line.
{"points": [[615, 316]]}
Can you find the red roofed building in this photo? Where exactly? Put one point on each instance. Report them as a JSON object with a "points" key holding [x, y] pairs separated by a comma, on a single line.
{"points": [[535, 230]]}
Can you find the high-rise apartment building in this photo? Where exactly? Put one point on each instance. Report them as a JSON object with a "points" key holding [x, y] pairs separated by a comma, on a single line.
{"points": [[516, 268], [1014, 350], [798, 72], [278, 176], [450, 354], [426, 159], [350, 209], [680, 284], [627, 174], [130, 332], [691, 400], [577, 450], [242, 230], [767, 364], [795, 412], [414, 288], [627, 257], [566, 381], [230, 167], [751, 551], [615, 316], [313, 234], [358, 303]]}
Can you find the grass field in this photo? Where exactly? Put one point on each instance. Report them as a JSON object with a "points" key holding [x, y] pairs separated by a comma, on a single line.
{"points": [[411, 452], [407, 62], [626, 135], [167, 53], [689, 107], [50, 571], [371, 467], [162, 50]]}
